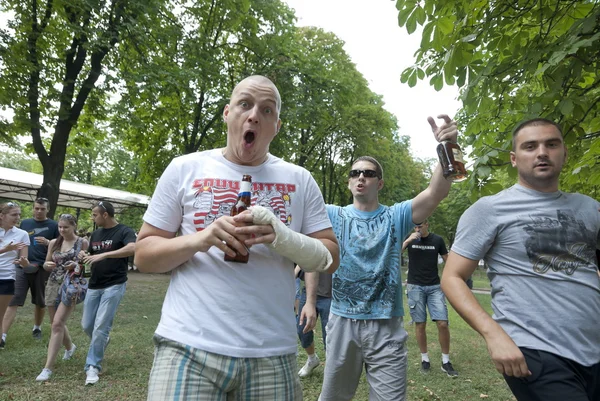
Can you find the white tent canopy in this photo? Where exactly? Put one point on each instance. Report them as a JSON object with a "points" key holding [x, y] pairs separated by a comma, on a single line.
{"points": [[22, 185]]}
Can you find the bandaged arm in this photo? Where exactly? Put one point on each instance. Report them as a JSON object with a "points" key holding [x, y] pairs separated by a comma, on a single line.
{"points": [[310, 253]]}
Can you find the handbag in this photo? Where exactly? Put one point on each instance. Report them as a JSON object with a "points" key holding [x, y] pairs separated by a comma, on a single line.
{"points": [[74, 289], [75, 286]]}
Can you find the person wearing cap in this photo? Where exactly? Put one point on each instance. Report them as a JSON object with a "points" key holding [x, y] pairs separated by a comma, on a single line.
{"points": [[109, 248], [41, 231]]}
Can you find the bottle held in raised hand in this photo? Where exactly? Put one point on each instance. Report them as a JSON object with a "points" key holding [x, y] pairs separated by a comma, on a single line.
{"points": [[452, 161], [242, 203]]}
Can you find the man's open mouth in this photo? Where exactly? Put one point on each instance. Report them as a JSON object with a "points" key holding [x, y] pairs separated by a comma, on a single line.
{"points": [[249, 137]]}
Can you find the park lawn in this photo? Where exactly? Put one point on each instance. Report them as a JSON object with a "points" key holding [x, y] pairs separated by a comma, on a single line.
{"points": [[129, 357]]}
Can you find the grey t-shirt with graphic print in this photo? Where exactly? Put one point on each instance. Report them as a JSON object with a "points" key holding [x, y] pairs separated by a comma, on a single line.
{"points": [[540, 249]]}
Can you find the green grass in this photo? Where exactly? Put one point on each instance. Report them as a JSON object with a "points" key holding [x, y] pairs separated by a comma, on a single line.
{"points": [[128, 358]]}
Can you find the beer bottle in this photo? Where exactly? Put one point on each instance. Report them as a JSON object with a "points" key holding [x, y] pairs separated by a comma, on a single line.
{"points": [[451, 159], [242, 203]]}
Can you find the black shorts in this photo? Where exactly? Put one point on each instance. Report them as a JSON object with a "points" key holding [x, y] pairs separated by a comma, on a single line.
{"points": [[554, 378], [7, 287], [36, 282]]}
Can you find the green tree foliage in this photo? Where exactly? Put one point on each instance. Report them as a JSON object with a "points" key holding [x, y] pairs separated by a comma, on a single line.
{"points": [[53, 56], [515, 60], [178, 82]]}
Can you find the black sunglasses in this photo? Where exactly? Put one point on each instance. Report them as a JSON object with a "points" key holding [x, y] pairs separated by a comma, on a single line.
{"points": [[366, 173], [67, 216], [42, 200], [101, 204]]}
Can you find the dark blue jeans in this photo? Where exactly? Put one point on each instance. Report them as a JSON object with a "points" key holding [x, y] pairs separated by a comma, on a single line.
{"points": [[323, 306]]}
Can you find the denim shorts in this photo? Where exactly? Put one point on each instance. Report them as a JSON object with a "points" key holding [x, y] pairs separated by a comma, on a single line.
{"points": [[428, 297]]}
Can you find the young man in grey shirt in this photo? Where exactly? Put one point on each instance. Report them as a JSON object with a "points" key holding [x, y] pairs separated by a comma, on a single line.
{"points": [[539, 244]]}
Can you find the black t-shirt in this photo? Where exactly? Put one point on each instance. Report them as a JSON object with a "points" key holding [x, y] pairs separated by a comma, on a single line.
{"points": [[110, 271], [423, 260], [47, 229]]}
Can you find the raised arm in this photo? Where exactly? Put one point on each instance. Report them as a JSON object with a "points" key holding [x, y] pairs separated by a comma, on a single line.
{"points": [[425, 203], [507, 357]]}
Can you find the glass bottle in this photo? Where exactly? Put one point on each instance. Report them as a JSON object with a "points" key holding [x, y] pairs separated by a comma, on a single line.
{"points": [[242, 203], [451, 159]]}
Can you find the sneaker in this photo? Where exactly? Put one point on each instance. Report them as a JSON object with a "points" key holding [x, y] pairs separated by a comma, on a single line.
{"points": [[309, 367], [425, 366], [91, 376], [37, 334], [447, 367], [2, 344], [69, 353], [45, 375]]}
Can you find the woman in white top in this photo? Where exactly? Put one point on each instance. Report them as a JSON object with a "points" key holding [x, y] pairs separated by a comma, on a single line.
{"points": [[61, 260], [14, 244]]}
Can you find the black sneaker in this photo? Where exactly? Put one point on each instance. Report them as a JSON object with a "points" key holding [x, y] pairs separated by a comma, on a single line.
{"points": [[37, 334], [447, 367], [425, 366], [2, 344]]}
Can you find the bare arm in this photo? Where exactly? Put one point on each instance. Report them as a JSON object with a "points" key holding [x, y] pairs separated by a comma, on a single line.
{"points": [[124, 252], [425, 203], [308, 315], [445, 258], [410, 239], [507, 357], [160, 251]]}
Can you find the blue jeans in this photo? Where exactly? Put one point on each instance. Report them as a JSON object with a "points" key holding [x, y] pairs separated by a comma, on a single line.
{"points": [[99, 309], [430, 297], [323, 305]]}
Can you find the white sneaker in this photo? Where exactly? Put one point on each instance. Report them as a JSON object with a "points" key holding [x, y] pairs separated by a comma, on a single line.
{"points": [[45, 375], [309, 367], [92, 376], [69, 353]]}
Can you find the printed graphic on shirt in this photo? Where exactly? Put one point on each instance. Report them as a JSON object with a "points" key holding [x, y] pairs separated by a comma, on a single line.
{"points": [[37, 231], [215, 198], [559, 244], [366, 283], [102, 245]]}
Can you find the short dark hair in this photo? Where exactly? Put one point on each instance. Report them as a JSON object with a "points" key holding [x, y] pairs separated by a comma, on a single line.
{"points": [[373, 161], [42, 201], [534, 122], [108, 207]]}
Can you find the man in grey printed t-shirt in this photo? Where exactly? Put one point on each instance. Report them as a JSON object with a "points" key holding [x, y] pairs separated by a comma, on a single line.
{"points": [[540, 246]]}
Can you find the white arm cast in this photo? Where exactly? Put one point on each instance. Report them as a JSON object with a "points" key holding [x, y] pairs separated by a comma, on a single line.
{"points": [[310, 253]]}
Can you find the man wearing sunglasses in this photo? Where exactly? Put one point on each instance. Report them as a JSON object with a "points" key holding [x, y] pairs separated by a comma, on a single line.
{"points": [[365, 326], [227, 330], [33, 278]]}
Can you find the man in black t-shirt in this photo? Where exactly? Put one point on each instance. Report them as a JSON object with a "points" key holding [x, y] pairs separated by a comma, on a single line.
{"points": [[110, 247], [424, 292], [33, 278]]}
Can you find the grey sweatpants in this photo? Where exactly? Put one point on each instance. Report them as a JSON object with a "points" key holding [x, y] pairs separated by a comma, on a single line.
{"points": [[379, 345]]}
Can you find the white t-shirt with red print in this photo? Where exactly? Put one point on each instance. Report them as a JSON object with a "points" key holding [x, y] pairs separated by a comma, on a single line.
{"points": [[234, 309]]}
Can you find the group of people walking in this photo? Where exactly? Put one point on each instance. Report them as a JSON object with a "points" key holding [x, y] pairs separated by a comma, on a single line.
{"points": [[50, 256], [227, 330]]}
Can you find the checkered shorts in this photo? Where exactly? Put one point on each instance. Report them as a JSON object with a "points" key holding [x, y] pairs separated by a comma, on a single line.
{"points": [[182, 372]]}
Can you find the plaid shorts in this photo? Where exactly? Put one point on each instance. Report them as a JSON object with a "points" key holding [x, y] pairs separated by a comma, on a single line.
{"points": [[181, 372]]}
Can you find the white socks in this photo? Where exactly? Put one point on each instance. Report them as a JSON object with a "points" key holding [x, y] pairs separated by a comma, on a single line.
{"points": [[313, 358], [35, 326], [3, 336], [424, 357], [445, 358]]}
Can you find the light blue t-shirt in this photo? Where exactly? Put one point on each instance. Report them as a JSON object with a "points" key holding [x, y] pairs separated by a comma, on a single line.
{"points": [[368, 283]]}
